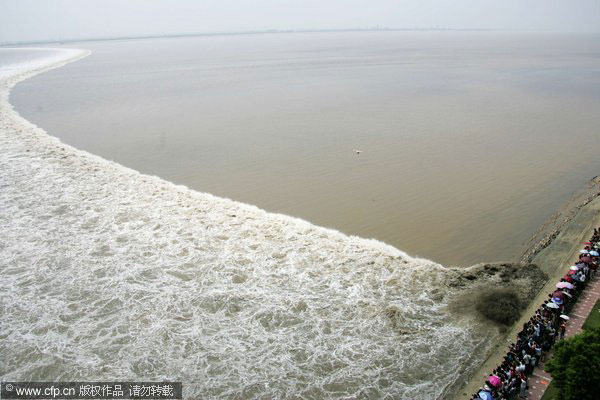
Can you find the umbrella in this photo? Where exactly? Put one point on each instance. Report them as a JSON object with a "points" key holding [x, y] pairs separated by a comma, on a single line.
{"points": [[568, 278], [563, 316], [583, 251], [557, 300], [574, 268], [588, 243], [495, 381], [562, 285], [552, 305], [572, 272], [594, 253], [483, 395], [585, 259]]}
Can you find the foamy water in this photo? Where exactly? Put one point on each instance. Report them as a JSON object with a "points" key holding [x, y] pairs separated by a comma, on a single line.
{"points": [[110, 274]]}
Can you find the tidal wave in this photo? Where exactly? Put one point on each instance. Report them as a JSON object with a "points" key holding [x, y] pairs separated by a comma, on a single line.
{"points": [[109, 274]]}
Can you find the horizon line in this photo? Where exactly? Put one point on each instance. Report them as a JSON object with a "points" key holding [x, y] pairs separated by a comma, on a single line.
{"points": [[269, 31]]}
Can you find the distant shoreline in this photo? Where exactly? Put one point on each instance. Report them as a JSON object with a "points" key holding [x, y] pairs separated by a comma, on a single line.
{"points": [[259, 32]]}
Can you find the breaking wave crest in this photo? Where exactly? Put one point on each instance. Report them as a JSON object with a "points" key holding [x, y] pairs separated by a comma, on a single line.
{"points": [[110, 274]]}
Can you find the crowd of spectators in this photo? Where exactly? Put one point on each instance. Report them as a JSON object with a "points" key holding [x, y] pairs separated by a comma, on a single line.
{"points": [[508, 381]]}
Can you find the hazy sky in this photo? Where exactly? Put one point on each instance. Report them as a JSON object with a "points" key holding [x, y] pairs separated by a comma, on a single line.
{"points": [[64, 19]]}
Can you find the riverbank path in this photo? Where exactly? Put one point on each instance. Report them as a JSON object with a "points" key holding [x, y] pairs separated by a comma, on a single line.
{"points": [[539, 381]]}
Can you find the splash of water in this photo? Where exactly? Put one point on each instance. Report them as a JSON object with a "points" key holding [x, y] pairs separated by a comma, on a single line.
{"points": [[110, 274]]}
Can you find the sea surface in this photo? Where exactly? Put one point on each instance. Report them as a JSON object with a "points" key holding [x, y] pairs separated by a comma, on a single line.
{"points": [[467, 140], [470, 140]]}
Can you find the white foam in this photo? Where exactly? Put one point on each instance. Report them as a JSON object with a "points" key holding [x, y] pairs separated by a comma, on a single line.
{"points": [[110, 274]]}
